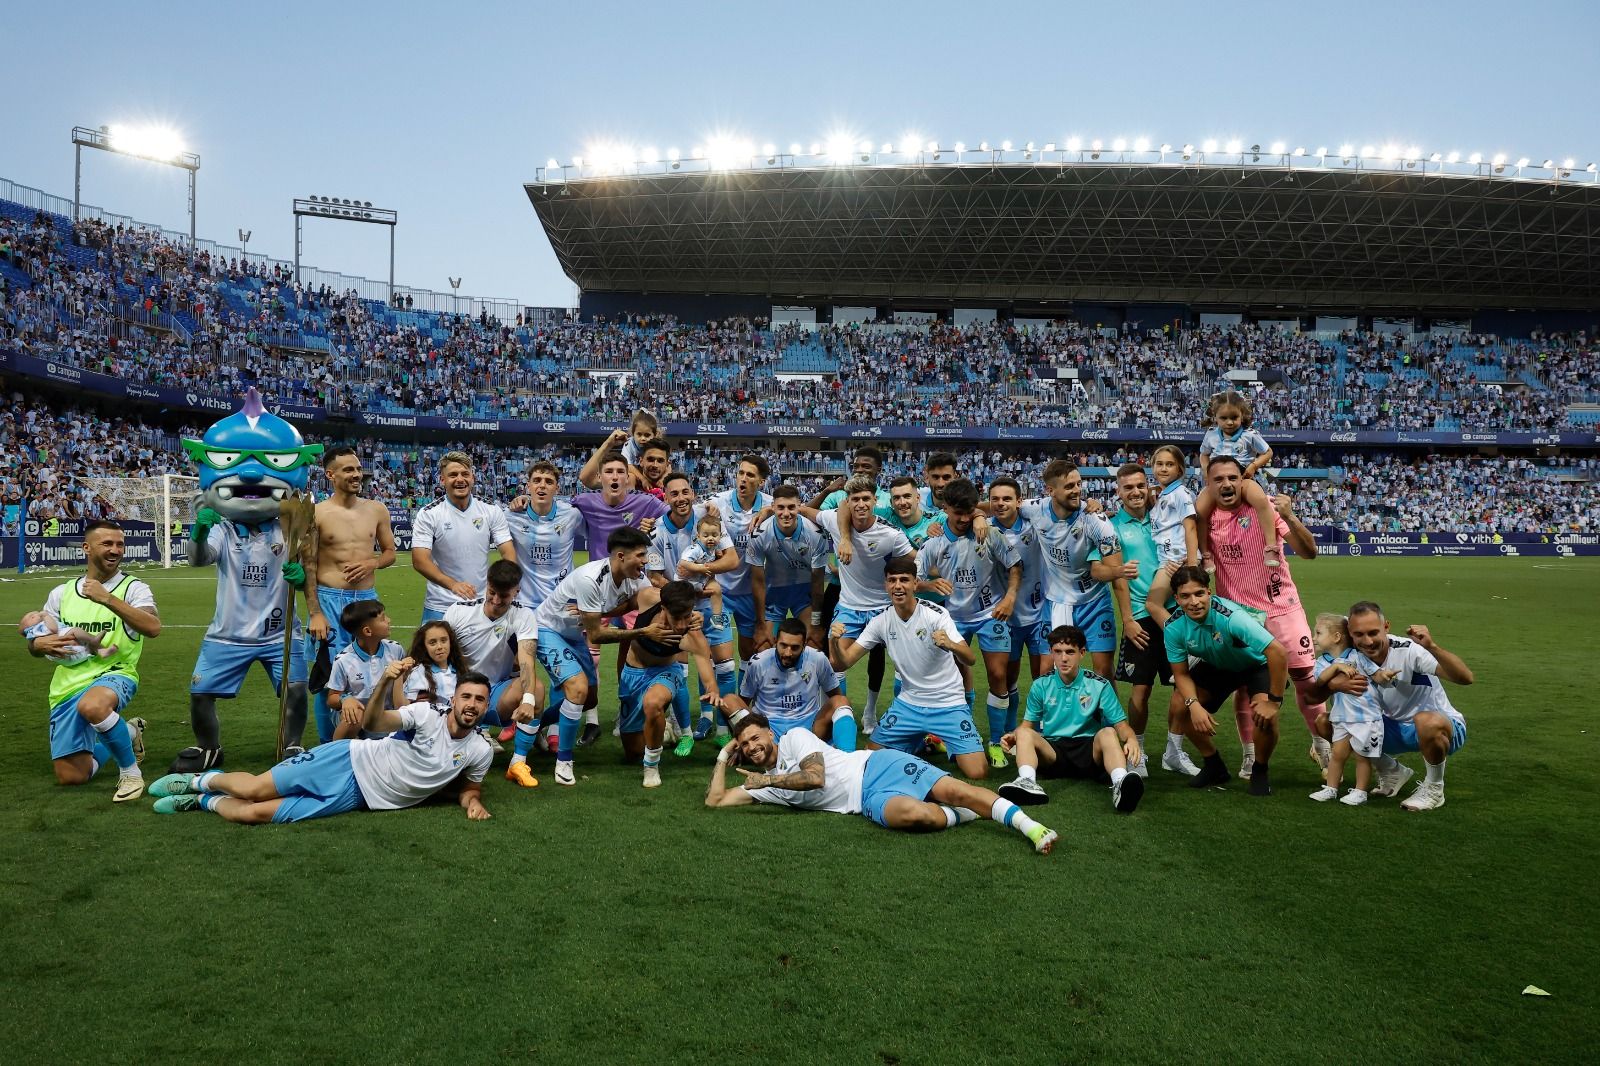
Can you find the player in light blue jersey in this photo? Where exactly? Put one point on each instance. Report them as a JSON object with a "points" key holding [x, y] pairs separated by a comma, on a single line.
{"points": [[1029, 633], [979, 580], [544, 534], [670, 543], [788, 559], [938, 470], [738, 508], [795, 687], [1075, 583]]}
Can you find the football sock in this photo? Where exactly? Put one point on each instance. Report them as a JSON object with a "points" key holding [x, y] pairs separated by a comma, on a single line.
{"points": [[680, 707], [1174, 744], [999, 711], [1007, 813], [100, 756], [114, 733], [571, 717], [1249, 751], [1434, 772], [202, 782], [844, 729], [326, 720], [1117, 775], [954, 816], [1027, 773], [592, 716], [527, 737], [652, 756], [727, 678]]}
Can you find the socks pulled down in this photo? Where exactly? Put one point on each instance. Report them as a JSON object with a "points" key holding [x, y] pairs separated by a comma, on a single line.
{"points": [[954, 816], [527, 738], [727, 678]]}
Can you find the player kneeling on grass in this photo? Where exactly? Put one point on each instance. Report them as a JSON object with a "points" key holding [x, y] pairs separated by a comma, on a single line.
{"points": [[1074, 727], [893, 789], [429, 752], [651, 679], [795, 687]]}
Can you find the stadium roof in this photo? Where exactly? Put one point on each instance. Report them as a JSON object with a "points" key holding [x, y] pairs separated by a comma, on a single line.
{"points": [[1244, 235]]}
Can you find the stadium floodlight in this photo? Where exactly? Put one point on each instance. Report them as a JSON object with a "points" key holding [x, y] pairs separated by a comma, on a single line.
{"points": [[156, 144], [1346, 151], [769, 149], [1005, 146], [1435, 158], [1322, 151], [1074, 144], [673, 155], [356, 211], [933, 146], [910, 143], [1453, 157], [1235, 146], [816, 149], [1188, 150], [1165, 148], [960, 146], [1522, 162], [725, 153], [1208, 145], [650, 155], [1368, 152], [1475, 158], [1028, 146], [1569, 162], [1389, 153], [1119, 145], [552, 164], [794, 148], [1413, 152], [577, 160], [1549, 164], [1141, 144], [983, 146], [1278, 148], [1050, 146], [1299, 152], [888, 148], [1591, 168]]}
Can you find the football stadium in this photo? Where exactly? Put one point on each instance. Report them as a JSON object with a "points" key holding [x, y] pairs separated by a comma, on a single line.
{"points": [[1076, 600]]}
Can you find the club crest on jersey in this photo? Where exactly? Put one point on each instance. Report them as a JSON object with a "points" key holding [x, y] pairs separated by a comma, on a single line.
{"points": [[872, 545], [1244, 521], [277, 550], [922, 633], [455, 758], [477, 523], [805, 676], [1083, 700]]}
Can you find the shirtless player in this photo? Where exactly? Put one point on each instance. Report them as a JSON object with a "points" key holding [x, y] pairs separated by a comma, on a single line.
{"points": [[348, 530]]}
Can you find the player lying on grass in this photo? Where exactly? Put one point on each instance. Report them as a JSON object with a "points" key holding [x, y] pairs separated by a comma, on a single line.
{"points": [[428, 752], [893, 789]]}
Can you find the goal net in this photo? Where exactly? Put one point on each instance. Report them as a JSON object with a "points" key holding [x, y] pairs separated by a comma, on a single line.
{"points": [[165, 501]]}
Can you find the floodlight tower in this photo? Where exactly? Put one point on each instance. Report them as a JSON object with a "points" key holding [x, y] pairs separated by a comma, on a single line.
{"points": [[152, 143], [341, 210]]}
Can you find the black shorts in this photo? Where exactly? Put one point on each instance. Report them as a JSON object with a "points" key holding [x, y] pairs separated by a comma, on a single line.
{"points": [[1214, 685], [1142, 667], [1074, 758]]}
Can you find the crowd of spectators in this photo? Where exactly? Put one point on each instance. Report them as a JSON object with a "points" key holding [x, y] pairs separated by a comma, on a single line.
{"points": [[124, 301], [47, 450]]}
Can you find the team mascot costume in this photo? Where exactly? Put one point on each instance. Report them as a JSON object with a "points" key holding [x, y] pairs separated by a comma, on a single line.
{"points": [[252, 523]]}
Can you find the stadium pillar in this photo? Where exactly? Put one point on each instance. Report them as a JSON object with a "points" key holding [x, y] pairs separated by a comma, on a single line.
{"points": [[192, 245], [77, 179]]}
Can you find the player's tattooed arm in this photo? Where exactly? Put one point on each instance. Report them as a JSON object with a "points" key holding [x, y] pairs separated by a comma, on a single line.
{"points": [[811, 775]]}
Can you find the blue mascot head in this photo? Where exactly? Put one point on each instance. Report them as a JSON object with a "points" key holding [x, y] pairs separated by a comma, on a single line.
{"points": [[249, 462]]}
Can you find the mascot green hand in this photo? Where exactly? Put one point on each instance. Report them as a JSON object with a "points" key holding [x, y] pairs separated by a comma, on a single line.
{"points": [[249, 462]]}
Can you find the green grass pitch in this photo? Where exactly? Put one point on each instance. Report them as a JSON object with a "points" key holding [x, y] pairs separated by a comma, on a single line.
{"points": [[607, 924]]}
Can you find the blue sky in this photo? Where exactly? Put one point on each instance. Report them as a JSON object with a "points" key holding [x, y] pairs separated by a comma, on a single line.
{"points": [[443, 111]]}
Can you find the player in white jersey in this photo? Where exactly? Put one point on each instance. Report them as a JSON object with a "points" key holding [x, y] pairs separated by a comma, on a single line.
{"points": [[891, 788], [862, 592], [1081, 556], [451, 538], [246, 628], [544, 534], [1417, 713], [1030, 632], [795, 687], [787, 558], [925, 644], [979, 580], [610, 586], [739, 507], [428, 753], [497, 637]]}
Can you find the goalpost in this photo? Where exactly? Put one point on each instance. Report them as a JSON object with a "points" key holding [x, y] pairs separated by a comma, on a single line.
{"points": [[166, 501]]}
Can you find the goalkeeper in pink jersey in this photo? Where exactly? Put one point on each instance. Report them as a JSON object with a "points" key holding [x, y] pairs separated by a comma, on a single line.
{"points": [[1268, 592]]}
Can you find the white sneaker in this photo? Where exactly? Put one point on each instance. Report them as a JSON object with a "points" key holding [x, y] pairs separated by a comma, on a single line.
{"points": [[652, 777], [1392, 781], [1354, 798], [1179, 763], [1321, 752], [129, 787], [1143, 769], [1427, 797], [1325, 793], [564, 774], [1024, 792], [1247, 766], [136, 738]]}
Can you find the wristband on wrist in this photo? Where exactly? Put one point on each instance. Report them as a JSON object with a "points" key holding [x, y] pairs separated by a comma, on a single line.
{"points": [[816, 618], [528, 698]]}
